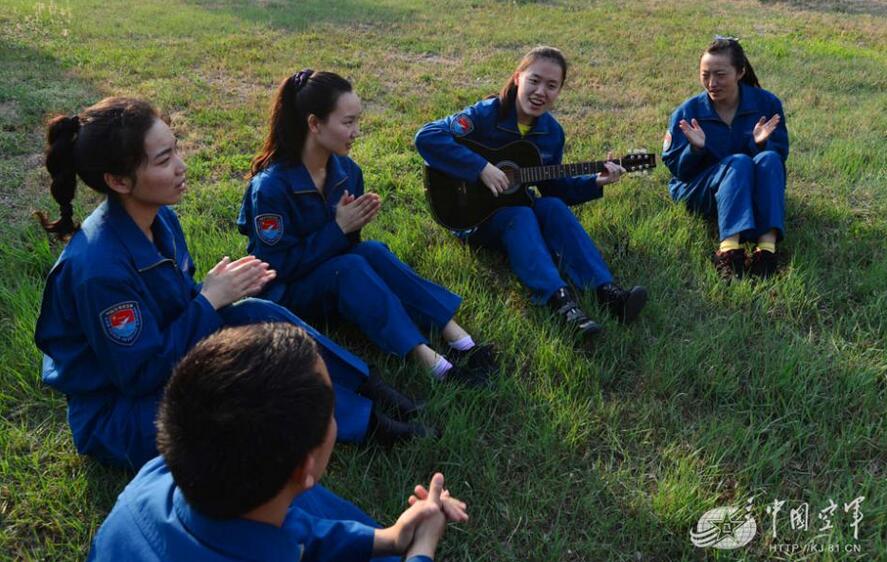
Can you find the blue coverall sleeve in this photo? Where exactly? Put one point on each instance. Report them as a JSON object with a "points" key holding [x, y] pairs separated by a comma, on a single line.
{"points": [[778, 141], [337, 540], [437, 144], [141, 361], [680, 157], [572, 190], [291, 255]]}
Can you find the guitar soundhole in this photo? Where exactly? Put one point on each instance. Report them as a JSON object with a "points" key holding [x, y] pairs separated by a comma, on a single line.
{"points": [[511, 170]]}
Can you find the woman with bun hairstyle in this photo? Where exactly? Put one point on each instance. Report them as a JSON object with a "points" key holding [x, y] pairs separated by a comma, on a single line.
{"points": [[547, 246], [726, 149], [303, 213], [121, 307]]}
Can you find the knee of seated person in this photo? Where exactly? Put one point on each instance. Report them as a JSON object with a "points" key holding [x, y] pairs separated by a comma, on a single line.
{"points": [[352, 265], [550, 205], [767, 158], [370, 249], [740, 162], [518, 217], [251, 310]]}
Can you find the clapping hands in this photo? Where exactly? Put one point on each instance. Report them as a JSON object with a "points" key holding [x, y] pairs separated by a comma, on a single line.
{"points": [[694, 133], [764, 128], [228, 281], [353, 213]]}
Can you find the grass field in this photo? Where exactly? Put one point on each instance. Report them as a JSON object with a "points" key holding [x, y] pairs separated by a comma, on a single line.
{"points": [[772, 390]]}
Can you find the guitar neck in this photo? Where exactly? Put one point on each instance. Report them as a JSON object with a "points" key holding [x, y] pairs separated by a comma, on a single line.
{"points": [[558, 171]]}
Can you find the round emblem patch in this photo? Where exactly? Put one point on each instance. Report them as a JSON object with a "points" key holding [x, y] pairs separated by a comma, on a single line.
{"points": [[122, 322], [269, 228], [461, 125], [666, 141]]}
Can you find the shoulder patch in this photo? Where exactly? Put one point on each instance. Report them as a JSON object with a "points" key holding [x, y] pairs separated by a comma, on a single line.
{"points": [[666, 141], [122, 322], [461, 125], [269, 228]]}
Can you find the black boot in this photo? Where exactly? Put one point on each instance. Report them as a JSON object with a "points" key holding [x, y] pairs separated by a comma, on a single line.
{"points": [[481, 358], [389, 397], [389, 431], [625, 305], [763, 264], [472, 378], [730, 264], [565, 306]]}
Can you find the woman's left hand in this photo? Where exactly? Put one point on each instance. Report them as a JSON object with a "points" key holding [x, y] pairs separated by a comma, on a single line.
{"points": [[764, 128], [612, 173]]}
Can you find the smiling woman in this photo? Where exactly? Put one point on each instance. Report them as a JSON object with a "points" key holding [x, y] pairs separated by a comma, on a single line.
{"points": [[121, 307], [304, 211], [543, 241]]}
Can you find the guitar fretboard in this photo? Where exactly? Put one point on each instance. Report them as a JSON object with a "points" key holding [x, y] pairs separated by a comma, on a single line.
{"points": [[557, 171]]}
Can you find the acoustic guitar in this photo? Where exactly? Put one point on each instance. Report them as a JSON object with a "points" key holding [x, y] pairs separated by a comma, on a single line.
{"points": [[460, 205]]}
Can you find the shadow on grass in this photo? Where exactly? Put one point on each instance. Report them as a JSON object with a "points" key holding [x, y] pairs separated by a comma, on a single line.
{"points": [[57, 497]]}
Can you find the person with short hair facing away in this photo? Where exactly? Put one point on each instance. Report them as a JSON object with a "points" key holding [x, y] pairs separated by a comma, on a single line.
{"points": [[121, 306], [546, 245], [304, 211], [726, 149], [246, 430]]}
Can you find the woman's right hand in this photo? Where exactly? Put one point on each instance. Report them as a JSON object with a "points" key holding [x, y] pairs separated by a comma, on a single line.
{"points": [[228, 281], [694, 133], [353, 214], [495, 179]]}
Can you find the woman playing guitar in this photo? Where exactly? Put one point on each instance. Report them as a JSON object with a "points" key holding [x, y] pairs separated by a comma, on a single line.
{"points": [[546, 239]]}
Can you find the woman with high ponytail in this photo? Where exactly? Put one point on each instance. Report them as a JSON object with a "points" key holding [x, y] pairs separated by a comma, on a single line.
{"points": [[121, 306], [304, 211], [726, 149]]}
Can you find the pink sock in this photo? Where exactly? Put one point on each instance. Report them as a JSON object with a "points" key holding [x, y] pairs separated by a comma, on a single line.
{"points": [[463, 344], [439, 371]]}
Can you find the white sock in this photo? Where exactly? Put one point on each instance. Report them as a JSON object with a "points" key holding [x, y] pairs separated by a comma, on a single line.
{"points": [[441, 367], [463, 344]]}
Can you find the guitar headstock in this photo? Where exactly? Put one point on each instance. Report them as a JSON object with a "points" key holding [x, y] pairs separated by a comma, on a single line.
{"points": [[637, 160]]}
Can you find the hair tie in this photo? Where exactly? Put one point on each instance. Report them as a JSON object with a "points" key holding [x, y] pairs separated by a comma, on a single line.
{"points": [[301, 78], [72, 125], [726, 38]]}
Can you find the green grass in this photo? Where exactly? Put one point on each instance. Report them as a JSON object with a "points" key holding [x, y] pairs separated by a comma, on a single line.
{"points": [[774, 390]]}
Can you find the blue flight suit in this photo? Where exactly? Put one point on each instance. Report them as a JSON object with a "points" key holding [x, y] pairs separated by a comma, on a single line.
{"points": [[152, 521], [733, 177], [542, 240], [322, 271], [119, 312]]}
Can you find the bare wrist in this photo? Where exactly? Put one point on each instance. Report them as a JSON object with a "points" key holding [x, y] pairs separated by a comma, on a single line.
{"points": [[385, 541], [422, 547], [211, 300]]}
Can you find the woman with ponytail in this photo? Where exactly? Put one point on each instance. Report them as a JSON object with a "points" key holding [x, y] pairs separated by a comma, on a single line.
{"points": [[546, 244], [121, 306], [303, 213], [726, 149]]}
